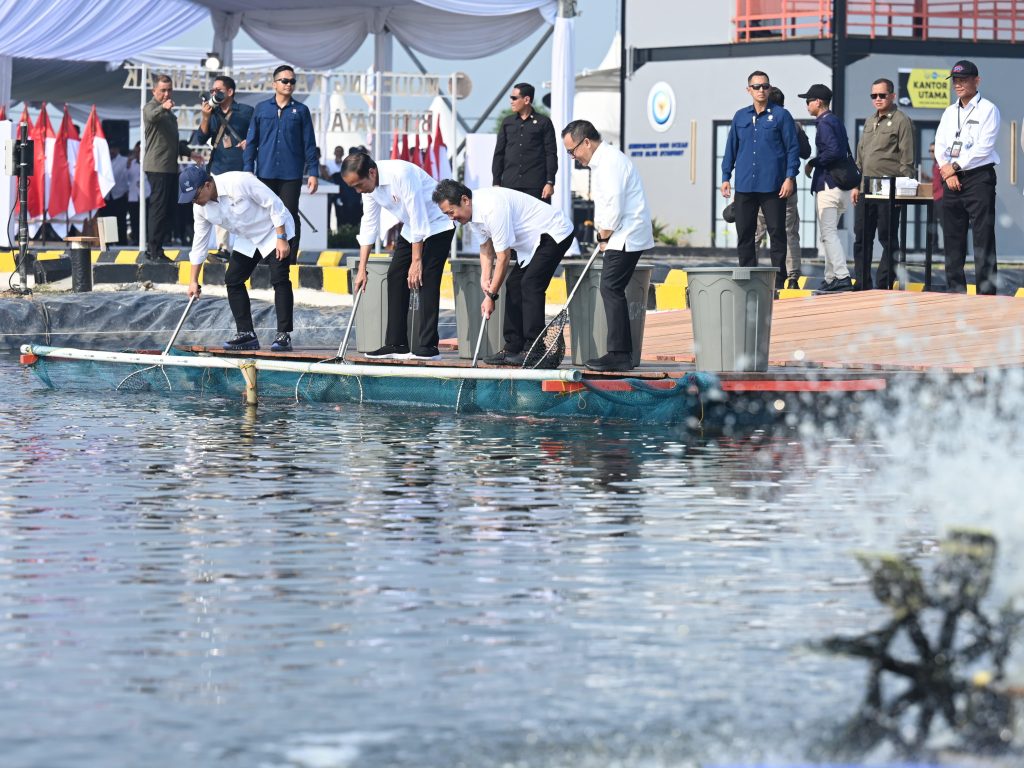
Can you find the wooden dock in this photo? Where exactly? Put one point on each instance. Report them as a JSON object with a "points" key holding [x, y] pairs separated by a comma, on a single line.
{"points": [[871, 330]]}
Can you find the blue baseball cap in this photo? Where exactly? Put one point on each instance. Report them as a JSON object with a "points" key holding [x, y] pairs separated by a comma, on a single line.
{"points": [[189, 182]]}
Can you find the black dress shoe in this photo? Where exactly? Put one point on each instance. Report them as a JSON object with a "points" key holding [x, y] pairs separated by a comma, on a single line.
{"points": [[158, 258], [613, 361], [505, 357], [839, 285], [390, 351]]}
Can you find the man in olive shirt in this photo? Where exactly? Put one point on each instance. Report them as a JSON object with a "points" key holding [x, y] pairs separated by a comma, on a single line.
{"points": [[886, 148], [161, 167]]}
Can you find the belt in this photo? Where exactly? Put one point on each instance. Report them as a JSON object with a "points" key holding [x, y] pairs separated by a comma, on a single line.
{"points": [[972, 171]]}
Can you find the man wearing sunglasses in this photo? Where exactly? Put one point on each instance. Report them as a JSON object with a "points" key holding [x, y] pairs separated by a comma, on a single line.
{"points": [[525, 154], [764, 152], [886, 148], [280, 147], [261, 226]]}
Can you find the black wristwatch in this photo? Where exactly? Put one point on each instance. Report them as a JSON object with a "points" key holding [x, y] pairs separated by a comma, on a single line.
{"points": [[491, 296], [603, 239]]}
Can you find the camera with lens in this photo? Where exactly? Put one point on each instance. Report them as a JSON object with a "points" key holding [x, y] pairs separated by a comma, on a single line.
{"points": [[215, 97]]}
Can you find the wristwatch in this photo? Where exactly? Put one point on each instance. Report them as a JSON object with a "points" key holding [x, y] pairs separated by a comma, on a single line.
{"points": [[282, 236], [603, 239], [491, 296]]}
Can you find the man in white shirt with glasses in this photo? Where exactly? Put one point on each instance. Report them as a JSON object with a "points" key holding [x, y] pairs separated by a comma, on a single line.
{"points": [[623, 223]]}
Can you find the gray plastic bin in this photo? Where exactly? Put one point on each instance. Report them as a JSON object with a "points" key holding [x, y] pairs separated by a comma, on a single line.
{"points": [[731, 311], [588, 324], [372, 321], [468, 297]]}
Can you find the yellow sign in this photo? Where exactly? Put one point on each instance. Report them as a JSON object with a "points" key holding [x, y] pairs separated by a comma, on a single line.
{"points": [[924, 88]]}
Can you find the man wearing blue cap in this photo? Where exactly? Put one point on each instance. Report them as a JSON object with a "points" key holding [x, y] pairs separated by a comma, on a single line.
{"points": [[262, 226]]}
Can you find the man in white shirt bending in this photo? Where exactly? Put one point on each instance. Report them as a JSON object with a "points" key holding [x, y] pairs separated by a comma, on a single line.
{"points": [[623, 223], [262, 226], [421, 249], [505, 219]]}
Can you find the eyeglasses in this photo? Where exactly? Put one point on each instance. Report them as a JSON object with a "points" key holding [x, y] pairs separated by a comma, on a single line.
{"points": [[286, 81], [759, 86], [572, 152], [877, 96]]}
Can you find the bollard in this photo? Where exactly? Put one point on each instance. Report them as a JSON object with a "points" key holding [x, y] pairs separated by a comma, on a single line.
{"points": [[81, 267]]}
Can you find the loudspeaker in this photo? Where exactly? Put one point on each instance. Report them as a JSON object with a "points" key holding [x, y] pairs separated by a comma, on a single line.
{"points": [[116, 132]]}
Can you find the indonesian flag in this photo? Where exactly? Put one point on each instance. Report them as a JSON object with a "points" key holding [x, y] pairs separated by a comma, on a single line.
{"points": [[405, 148], [3, 111], [417, 154], [442, 165], [428, 160], [43, 138], [395, 152], [60, 171], [94, 177]]}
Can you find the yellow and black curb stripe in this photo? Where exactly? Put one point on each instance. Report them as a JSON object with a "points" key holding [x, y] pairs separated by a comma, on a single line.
{"points": [[330, 271]]}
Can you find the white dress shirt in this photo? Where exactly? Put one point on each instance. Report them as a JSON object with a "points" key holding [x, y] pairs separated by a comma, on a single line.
{"points": [[119, 167], [403, 189], [246, 208], [132, 174], [511, 219], [977, 125], [619, 201]]}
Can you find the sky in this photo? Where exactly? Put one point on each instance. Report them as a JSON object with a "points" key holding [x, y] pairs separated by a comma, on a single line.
{"points": [[596, 24]]}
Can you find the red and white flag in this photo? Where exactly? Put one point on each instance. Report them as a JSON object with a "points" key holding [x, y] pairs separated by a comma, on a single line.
{"points": [[405, 148], [3, 111], [442, 165], [428, 159], [395, 151], [94, 177], [60, 171], [43, 139]]}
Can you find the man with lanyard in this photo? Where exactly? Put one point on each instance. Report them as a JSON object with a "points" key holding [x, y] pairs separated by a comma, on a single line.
{"points": [[224, 123], [504, 219], [623, 223], [420, 252], [763, 149], [262, 228], [886, 148], [965, 149], [281, 147]]}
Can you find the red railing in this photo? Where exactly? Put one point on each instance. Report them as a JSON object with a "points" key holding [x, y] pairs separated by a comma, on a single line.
{"points": [[973, 20]]}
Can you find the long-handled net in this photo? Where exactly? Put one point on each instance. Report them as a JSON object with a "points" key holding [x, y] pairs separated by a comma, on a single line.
{"points": [[141, 380], [476, 355], [305, 383], [548, 349]]}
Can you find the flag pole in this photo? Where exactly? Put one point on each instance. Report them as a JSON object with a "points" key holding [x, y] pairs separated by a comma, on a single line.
{"points": [[142, 159]]}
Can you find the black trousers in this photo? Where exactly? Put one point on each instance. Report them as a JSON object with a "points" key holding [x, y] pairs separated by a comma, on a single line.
{"points": [[289, 190], [617, 272], [527, 286], [747, 205], [240, 269], [869, 217], [436, 250], [133, 216], [162, 210], [974, 206]]}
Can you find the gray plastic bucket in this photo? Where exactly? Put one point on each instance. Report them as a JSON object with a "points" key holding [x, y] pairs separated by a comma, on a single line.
{"points": [[588, 323], [468, 297], [731, 310], [372, 321]]}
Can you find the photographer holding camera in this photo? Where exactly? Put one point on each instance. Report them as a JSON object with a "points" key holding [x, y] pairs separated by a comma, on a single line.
{"points": [[224, 124]]}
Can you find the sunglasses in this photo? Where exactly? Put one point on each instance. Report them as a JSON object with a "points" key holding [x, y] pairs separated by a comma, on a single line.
{"points": [[877, 96], [287, 81], [759, 86], [513, 97]]}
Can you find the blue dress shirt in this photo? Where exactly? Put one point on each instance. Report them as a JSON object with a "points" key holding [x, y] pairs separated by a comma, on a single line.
{"points": [[281, 143], [832, 145], [227, 156], [762, 148]]}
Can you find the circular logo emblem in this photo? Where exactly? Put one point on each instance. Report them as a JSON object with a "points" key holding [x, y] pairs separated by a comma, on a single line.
{"points": [[661, 106]]}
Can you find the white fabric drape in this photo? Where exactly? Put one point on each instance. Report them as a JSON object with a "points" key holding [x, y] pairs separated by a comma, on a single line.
{"points": [[92, 30], [563, 90], [6, 73], [225, 29], [174, 56]]}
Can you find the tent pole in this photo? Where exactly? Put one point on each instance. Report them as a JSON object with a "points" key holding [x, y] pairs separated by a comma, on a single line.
{"points": [[142, 159]]}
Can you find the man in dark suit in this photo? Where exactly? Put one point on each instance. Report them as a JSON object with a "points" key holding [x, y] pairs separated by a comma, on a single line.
{"points": [[526, 154]]}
